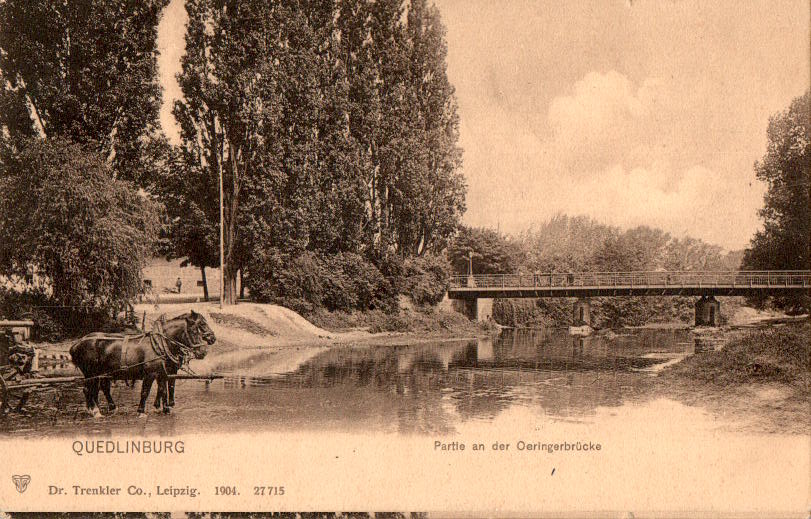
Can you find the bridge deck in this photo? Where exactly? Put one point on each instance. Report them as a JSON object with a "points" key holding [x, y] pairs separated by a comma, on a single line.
{"points": [[594, 284]]}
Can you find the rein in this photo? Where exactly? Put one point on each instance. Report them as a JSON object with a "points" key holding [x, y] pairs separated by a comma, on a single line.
{"points": [[160, 340]]}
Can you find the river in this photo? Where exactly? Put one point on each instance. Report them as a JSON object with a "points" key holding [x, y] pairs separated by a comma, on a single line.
{"points": [[367, 408], [542, 376]]}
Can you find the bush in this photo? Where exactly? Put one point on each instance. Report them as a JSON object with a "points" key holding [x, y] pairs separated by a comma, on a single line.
{"points": [[425, 279], [52, 322], [308, 281], [368, 288], [64, 214]]}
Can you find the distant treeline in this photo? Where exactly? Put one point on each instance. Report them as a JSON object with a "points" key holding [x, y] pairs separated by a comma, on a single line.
{"points": [[581, 244]]}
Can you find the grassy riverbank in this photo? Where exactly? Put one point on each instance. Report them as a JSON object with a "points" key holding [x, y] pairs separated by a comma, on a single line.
{"points": [[761, 377], [776, 354]]}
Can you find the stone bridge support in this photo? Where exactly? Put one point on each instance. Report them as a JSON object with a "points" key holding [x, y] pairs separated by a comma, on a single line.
{"points": [[476, 309], [581, 312], [708, 311]]}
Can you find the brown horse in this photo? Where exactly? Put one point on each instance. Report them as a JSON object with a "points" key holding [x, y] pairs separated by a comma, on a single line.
{"points": [[148, 356]]}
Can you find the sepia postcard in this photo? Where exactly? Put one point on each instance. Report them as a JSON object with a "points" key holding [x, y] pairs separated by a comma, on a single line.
{"points": [[405, 259]]}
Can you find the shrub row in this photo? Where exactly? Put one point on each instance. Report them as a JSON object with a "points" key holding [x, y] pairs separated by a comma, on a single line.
{"points": [[345, 281], [52, 322]]}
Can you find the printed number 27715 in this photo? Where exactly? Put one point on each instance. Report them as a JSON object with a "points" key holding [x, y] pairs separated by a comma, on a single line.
{"points": [[268, 491]]}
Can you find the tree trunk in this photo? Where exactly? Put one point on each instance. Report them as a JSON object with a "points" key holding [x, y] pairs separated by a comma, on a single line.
{"points": [[230, 282], [229, 270], [241, 285], [205, 282]]}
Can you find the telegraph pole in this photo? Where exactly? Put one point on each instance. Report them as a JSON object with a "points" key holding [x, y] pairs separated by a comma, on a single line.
{"points": [[222, 247]]}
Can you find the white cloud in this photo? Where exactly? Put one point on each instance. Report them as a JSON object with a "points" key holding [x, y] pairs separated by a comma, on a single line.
{"points": [[605, 119], [609, 155]]}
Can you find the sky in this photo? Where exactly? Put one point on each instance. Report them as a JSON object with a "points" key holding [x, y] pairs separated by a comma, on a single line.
{"points": [[633, 112]]}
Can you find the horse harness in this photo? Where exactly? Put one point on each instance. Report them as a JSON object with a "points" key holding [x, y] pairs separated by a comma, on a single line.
{"points": [[160, 345]]}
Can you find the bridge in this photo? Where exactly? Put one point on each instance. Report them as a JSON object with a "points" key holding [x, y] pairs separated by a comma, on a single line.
{"points": [[583, 285]]}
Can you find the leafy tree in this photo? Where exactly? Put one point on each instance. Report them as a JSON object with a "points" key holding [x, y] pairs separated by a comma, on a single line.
{"points": [[493, 253], [692, 254], [565, 243], [429, 195], [332, 122], [73, 224], [403, 119], [224, 71], [636, 249], [784, 243], [85, 70], [425, 279], [190, 198]]}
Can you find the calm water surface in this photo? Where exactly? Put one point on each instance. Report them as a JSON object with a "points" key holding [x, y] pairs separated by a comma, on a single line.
{"points": [[528, 377]]}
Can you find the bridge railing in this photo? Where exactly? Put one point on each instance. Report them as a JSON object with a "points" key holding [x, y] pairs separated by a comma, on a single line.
{"points": [[549, 280]]}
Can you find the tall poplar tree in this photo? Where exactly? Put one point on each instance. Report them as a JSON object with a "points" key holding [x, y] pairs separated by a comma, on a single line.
{"points": [[84, 70]]}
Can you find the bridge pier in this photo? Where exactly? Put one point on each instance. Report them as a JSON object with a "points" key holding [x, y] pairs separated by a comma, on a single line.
{"points": [[708, 311], [581, 312], [476, 308]]}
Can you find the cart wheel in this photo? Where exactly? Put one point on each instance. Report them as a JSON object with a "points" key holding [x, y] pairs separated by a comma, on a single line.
{"points": [[4, 396]]}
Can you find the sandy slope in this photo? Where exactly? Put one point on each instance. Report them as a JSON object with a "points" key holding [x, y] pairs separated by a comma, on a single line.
{"points": [[245, 324]]}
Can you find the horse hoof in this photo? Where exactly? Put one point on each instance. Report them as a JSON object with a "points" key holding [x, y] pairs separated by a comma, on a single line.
{"points": [[141, 414], [167, 410], [112, 409]]}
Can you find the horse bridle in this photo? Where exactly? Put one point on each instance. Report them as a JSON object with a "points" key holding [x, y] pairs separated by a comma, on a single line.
{"points": [[202, 336], [190, 347]]}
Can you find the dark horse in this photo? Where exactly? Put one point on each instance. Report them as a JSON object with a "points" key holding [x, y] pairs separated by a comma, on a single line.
{"points": [[147, 356]]}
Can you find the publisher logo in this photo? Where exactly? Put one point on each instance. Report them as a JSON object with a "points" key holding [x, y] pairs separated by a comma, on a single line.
{"points": [[21, 482]]}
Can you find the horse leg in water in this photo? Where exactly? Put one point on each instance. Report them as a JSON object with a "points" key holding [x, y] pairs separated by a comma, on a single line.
{"points": [[168, 397], [160, 395], [171, 392], [170, 389], [91, 394], [163, 392], [162, 398], [146, 387], [105, 386]]}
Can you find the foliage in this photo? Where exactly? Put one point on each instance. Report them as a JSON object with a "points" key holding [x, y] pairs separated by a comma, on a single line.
{"points": [[307, 281], [86, 71], [425, 279], [493, 253], [565, 244], [416, 196], [578, 244], [768, 355], [784, 243], [79, 102], [190, 198], [82, 233], [332, 122]]}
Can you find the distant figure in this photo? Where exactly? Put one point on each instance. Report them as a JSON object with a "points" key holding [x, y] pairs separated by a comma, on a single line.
{"points": [[570, 278], [178, 284]]}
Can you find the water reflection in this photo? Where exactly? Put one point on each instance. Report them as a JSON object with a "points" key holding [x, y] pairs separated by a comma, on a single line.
{"points": [[434, 385], [418, 388]]}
